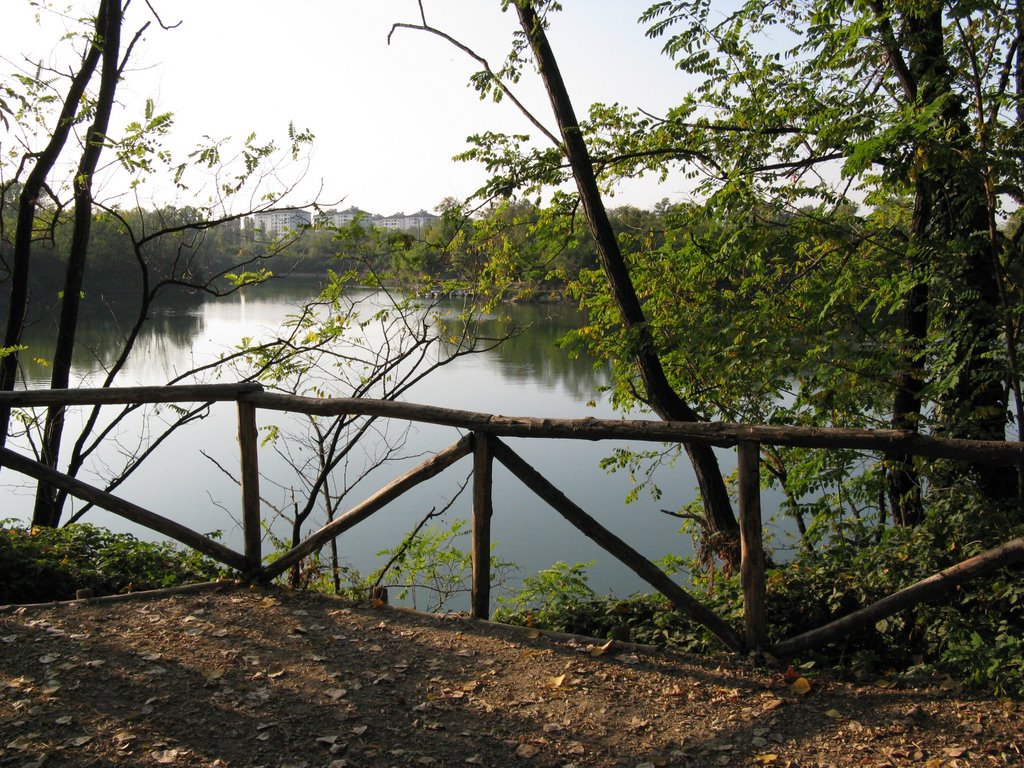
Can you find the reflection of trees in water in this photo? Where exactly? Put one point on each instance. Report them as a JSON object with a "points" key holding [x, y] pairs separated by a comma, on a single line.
{"points": [[534, 353], [103, 327], [178, 318]]}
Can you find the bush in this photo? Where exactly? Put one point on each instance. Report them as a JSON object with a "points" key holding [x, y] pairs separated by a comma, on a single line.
{"points": [[45, 564], [975, 634]]}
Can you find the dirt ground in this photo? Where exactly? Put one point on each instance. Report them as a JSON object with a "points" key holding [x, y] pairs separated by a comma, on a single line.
{"points": [[237, 677]]}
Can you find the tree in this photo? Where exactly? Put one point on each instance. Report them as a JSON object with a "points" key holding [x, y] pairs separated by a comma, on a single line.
{"points": [[545, 167], [156, 247], [850, 259], [906, 106]]}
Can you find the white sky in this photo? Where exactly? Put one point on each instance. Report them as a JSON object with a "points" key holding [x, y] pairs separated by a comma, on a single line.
{"points": [[387, 118]]}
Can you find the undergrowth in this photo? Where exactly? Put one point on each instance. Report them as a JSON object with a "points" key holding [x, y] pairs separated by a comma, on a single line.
{"points": [[46, 564], [974, 634]]}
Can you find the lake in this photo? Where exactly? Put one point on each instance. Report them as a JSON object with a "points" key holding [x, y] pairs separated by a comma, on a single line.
{"points": [[190, 477]]}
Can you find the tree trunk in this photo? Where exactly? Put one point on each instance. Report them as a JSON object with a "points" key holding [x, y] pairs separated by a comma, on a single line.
{"points": [[951, 209], [108, 25], [662, 398], [27, 205]]}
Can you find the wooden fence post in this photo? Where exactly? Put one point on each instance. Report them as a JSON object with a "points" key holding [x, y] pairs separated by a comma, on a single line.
{"points": [[751, 544], [483, 507], [248, 440]]}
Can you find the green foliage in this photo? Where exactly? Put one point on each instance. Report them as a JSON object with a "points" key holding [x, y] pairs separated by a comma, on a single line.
{"points": [[430, 570], [551, 598], [44, 564], [974, 634]]}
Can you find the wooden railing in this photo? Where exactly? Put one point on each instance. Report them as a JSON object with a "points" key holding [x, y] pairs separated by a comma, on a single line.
{"points": [[483, 441]]}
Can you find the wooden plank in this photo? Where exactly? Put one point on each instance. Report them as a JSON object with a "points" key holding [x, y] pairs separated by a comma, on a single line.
{"points": [[125, 509], [927, 589], [640, 565], [483, 508], [751, 544], [248, 442], [381, 498], [711, 433], [179, 393]]}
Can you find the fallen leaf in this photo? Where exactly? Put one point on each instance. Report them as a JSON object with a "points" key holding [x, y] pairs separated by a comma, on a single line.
{"points": [[165, 756], [801, 686], [526, 751], [556, 682], [835, 714], [766, 759], [359, 730], [213, 674], [21, 743], [49, 658], [604, 649], [78, 741], [336, 693]]}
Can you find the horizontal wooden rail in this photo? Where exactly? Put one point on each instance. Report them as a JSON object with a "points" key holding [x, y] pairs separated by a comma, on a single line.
{"points": [[179, 393], [713, 433]]}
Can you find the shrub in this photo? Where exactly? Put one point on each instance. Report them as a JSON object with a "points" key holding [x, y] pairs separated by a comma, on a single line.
{"points": [[44, 564]]}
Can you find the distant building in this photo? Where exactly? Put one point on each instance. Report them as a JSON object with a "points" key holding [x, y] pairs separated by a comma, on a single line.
{"points": [[400, 221], [281, 221], [277, 223], [335, 218]]}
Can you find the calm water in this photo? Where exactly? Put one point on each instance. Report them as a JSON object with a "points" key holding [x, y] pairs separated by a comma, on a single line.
{"points": [[188, 479]]}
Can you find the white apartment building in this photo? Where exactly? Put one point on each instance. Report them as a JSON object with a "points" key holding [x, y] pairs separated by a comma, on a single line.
{"points": [[282, 221], [400, 221], [340, 218]]}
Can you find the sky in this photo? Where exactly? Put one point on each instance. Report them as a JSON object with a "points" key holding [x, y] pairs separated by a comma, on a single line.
{"points": [[387, 117]]}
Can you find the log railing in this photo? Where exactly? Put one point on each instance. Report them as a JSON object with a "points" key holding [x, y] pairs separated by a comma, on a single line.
{"points": [[482, 441]]}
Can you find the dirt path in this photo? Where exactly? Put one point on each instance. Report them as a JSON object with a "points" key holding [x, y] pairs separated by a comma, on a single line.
{"points": [[283, 679]]}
